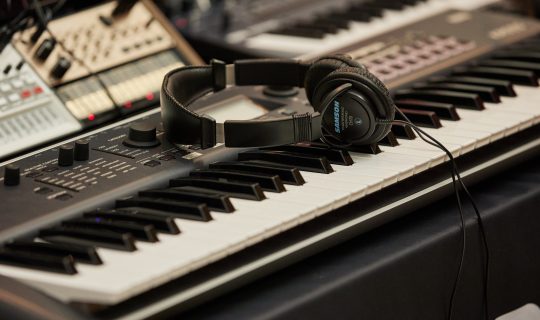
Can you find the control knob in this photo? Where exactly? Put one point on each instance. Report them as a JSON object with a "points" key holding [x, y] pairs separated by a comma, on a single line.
{"points": [[45, 49], [82, 150], [12, 175], [60, 68], [65, 155], [142, 135]]}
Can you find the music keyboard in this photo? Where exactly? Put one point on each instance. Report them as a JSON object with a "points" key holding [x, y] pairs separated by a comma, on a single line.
{"points": [[363, 23], [146, 217]]}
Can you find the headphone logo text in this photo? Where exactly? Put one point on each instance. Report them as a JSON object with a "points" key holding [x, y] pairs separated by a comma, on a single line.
{"points": [[336, 117]]}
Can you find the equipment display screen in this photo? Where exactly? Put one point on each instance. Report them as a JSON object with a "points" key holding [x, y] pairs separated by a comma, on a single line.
{"points": [[235, 108]]}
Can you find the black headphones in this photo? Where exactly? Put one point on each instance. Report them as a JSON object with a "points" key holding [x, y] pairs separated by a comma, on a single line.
{"points": [[352, 106]]}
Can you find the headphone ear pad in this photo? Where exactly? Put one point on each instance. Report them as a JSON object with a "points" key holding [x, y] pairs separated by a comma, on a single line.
{"points": [[322, 67], [359, 78]]}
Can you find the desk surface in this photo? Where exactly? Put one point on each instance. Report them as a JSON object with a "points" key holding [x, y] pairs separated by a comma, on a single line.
{"points": [[406, 269]]}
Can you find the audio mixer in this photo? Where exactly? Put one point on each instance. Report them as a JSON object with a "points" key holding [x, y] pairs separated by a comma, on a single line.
{"points": [[124, 224], [110, 65]]}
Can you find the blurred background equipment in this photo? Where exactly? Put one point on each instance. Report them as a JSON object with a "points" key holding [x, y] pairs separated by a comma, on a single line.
{"points": [[236, 29], [95, 65]]}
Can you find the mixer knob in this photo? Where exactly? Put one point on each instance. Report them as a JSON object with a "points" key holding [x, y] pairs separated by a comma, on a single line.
{"points": [[142, 135], [82, 150], [65, 155], [45, 49], [12, 175], [60, 68]]}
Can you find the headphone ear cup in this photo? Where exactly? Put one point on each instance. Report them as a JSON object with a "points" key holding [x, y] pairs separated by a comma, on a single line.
{"points": [[360, 78], [322, 67]]}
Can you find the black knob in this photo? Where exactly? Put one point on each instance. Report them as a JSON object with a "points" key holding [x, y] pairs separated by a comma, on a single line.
{"points": [[142, 135], [12, 175], [82, 150], [65, 155], [60, 68], [45, 49]]}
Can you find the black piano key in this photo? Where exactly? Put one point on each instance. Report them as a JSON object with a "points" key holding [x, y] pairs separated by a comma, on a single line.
{"points": [[375, 12], [360, 16], [271, 183], [302, 162], [243, 190], [445, 111], [459, 99], [326, 28], [488, 94], [522, 77], [287, 175], [421, 118], [32, 260], [517, 55], [391, 5], [335, 156], [389, 140], [520, 65], [503, 87], [368, 149], [83, 254], [335, 22], [300, 32], [89, 237], [216, 201], [143, 232], [181, 209], [403, 131], [160, 223]]}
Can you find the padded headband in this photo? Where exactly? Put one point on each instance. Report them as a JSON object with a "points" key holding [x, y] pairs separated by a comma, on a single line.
{"points": [[182, 86]]}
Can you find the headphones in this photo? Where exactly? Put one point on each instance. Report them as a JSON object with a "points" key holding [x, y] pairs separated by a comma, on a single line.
{"points": [[352, 106]]}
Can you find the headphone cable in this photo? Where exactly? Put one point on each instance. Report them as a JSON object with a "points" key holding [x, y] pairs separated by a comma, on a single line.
{"points": [[457, 183]]}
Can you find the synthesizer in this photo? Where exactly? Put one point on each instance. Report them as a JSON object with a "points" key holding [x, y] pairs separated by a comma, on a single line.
{"points": [[122, 224], [254, 28], [101, 70], [30, 112]]}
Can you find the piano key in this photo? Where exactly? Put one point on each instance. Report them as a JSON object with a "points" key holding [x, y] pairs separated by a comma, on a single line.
{"points": [[520, 65], [299, 32], [352, 16], [517, 55], [63, 264], [368, 149], [459, 99], [393, 161], [443, 110], [215, 201], [161, 224], [287, 175], [320, 27], [266, 181], [250, 191], [488, 94], [181, 209], [403, 131], [302, 162], [143, 232], [389, 140], [331, 21], [89, 237], [335, 156], [503, 87], [82, 254], [523, 77], [421, 118]]}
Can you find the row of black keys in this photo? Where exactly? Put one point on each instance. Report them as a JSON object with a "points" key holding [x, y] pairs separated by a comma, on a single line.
{"points": [[142, 217], [471, 86], [335, 20]]}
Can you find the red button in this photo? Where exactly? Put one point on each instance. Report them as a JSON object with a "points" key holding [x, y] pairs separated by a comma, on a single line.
{"points": [[91, 117], [25, 94], [38, 90], [128, 105]]}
